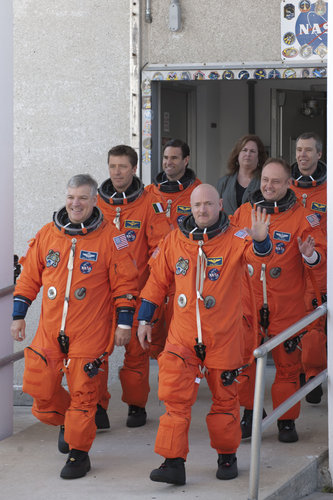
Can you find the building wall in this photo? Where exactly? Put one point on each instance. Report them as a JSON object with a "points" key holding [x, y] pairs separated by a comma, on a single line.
{"points": [[71, 105], [215, 30]]}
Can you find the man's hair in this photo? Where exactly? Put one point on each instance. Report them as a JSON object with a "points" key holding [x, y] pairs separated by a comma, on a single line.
{"points": [[233, 165], [124, 150], [177, 143], [311, 135], [280, 161], [83, 180]]}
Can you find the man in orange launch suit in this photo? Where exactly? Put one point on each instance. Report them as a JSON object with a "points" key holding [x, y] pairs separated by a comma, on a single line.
{"points": [[298, 245], [127, 206], [309, 183], [88, 277], [205, 258], [171, 190]]}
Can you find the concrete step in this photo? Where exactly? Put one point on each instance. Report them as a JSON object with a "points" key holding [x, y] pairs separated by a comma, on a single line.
{"points": [[122, 458]]}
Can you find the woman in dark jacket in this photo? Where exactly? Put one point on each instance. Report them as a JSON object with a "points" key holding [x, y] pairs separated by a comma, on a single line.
{"points": [[244, 168]]}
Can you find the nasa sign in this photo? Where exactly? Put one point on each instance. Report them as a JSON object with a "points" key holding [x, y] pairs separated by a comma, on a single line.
{"points": [[304, 30]]}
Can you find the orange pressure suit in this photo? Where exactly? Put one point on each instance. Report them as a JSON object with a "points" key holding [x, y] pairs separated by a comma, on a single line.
{"points": [[143, 225], [173, 197], [285, 279], [218, 299], [103, 277], [312, 193]]}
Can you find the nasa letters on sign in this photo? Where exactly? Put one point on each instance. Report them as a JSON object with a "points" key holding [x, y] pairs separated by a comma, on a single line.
{"points": [[304, 30]]}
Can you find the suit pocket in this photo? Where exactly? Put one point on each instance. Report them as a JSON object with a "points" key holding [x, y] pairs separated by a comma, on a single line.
{"points": [[39, 380]]}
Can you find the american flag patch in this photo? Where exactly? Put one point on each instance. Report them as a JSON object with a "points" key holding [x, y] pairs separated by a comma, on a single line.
{"points": [[120, 241], [313, 220]]}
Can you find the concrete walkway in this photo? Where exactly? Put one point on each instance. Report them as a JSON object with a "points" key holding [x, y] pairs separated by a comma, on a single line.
{"points": [[122, 458]]}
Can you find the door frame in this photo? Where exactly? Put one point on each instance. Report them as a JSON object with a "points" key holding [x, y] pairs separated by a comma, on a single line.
{"points": [[183, 73]]}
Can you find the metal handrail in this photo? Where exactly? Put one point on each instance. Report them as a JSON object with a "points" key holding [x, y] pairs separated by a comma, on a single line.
{"points": [[258, 424], [11, 358]]}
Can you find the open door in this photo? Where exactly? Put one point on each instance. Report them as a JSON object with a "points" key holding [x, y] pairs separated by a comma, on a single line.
{"points": [[176, 119], [294, 112]]}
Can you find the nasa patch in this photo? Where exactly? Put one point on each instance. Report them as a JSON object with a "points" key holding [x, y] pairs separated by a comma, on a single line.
{"points": [[85, 267], [280, 248], [130, 235], [180, 219], [213, 274]]}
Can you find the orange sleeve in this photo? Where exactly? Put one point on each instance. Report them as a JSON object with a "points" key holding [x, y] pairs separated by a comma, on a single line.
{"points": [[30, 279], [161, 274], [123, 275], [157, 225]]}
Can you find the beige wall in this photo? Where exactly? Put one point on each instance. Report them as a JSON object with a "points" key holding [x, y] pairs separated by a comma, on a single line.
{"points": [[71, 104], [215, 30]]}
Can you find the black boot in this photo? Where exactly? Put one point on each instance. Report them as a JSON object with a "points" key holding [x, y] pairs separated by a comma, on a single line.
{"points": [[315, 395], [62, 445], [136, 416], [77, 465], [227, 466], [246, 422], [287, 431], [172, 471], [101, 418]]}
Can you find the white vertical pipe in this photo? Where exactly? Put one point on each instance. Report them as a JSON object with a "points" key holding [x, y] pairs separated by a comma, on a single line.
{"points": [[257, 428], [135, 64], [6, 209]]}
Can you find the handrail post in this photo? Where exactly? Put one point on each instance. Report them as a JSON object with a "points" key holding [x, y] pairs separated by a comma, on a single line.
{"points": [[259, 394]]}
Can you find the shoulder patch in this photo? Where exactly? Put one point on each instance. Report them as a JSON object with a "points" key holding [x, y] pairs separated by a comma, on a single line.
{"points": [[214, 261], [313, 220], [158, 208], [182, 266], [86, 255], [52, 258], [281, 236], [133, 224], [318, 207], [241, 234], [120, 241], [183, 209]]}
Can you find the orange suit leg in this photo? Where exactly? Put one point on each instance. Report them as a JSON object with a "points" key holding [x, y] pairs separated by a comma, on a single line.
{"points": [[134, 375], [178, 390], [314, 352], [223, 420], [246, 386], [80, 428], [104, 393], [52, 410], [286, 382]]}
